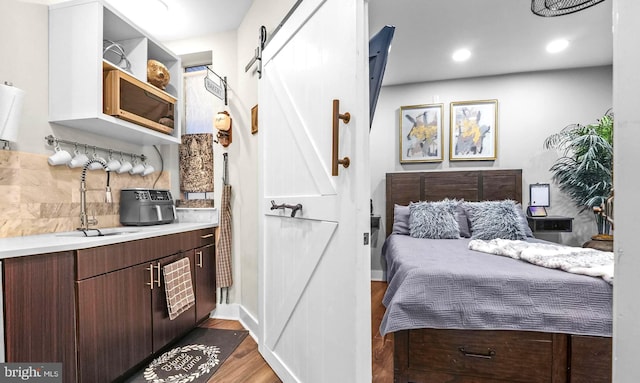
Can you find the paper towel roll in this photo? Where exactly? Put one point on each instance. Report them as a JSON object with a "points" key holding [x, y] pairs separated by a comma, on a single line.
{"points": [[11, 99]]}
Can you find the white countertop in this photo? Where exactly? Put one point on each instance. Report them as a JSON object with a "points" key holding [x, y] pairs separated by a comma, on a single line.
{"points": [[54, 242]]}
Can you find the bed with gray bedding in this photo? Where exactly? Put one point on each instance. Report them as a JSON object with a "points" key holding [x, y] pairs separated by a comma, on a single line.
{"points": [[458, 315], [441, 284]]}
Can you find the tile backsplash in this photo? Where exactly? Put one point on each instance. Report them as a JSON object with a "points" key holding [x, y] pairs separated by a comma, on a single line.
{"points": [[37, 198]]}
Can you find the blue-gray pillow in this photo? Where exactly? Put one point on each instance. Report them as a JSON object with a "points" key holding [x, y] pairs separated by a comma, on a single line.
{"points": [[523, 218], [463, 221], [495, 219], [400, 220], [435, 220]]}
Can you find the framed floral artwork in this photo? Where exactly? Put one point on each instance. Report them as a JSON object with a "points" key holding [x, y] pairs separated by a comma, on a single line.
{"points": [[474, 130], [421, 133]]}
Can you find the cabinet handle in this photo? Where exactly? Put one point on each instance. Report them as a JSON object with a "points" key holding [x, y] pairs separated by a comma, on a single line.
{"points": [[489, 355], [158, 281], [150, 269], [199, 254], [206, 236]]}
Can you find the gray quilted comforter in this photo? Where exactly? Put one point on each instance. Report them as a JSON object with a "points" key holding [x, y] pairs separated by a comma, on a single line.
{"points": [[440, 283]]}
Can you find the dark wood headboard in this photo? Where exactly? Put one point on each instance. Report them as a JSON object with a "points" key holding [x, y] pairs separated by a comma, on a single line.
{"points": [[473, 185]]}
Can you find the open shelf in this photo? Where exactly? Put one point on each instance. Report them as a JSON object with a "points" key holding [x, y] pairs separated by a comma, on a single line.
{"points": [[77, 31]]}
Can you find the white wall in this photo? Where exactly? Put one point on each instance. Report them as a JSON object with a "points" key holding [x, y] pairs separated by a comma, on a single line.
{"points": [[626, 81], [531, 106]]}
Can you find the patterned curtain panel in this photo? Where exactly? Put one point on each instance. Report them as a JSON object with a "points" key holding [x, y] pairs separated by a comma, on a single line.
{"points": [[196, 163]]}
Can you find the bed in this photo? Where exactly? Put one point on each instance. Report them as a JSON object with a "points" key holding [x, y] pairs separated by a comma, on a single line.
{"points": [[463, 316]]}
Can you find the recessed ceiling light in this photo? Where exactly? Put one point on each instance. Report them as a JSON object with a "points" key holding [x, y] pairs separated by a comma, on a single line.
{"points": [[557, 46], [461, 55]]}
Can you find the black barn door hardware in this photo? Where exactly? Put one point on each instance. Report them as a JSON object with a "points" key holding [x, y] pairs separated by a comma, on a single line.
{"points": [[335, 161], [294, 208]]}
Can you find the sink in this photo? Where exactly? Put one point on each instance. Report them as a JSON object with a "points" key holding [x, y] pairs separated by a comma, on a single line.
{"points": [[97, 233]]}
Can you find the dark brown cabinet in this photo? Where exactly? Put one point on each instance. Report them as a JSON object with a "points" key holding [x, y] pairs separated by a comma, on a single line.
{"points": [[205, 281], [164, 329], [39, 310], [102, 311], [114, 331]]}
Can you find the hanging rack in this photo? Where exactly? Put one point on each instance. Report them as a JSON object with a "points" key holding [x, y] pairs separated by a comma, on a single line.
{"points": [[215, 89], [51, 140]]}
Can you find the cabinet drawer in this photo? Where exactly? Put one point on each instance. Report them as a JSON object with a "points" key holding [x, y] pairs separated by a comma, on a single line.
{"points": [[103, 259], [199, 238], [512, 356]]}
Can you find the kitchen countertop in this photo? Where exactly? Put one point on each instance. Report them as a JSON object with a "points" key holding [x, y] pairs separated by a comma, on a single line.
{"points": [[54, 242]]}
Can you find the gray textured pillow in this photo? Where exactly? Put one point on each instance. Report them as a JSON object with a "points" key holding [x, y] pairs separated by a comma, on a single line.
{"points": [[435, 220], [400, 220], [495, 219]]}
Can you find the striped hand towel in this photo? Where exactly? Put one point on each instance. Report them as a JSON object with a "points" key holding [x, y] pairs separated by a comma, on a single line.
{"points": [[178, 286]]}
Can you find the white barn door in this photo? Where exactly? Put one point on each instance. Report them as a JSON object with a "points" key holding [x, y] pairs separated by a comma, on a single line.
{"points": [[314, 271]]}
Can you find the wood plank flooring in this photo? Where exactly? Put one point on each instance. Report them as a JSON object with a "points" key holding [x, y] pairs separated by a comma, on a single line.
{"points": [[381, 347], [246, 364]]}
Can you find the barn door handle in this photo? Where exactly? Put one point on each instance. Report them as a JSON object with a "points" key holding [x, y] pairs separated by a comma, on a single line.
{"points": [[335, 161], [294, 208], [489, 355]]}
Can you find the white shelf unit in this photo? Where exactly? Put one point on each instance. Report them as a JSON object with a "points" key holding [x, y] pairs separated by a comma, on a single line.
{"points": [[77, 30]]}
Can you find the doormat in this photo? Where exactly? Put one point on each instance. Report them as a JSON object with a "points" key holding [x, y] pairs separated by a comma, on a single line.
{"points": [[193, 359]]}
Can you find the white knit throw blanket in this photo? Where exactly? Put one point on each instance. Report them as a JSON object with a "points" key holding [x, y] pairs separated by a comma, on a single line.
{"points": [[575, 260]]}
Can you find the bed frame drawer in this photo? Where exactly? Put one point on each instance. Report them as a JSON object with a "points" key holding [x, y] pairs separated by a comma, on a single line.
{"points": [[510, 356], [590, 359]]}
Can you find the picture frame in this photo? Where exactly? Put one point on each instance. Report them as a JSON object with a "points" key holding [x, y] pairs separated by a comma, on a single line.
{"points": [[421, 137], [254, 119], [473, 133]]}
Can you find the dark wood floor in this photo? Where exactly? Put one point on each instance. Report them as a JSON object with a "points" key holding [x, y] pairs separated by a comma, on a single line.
{"points": [[381, 347], [247, 365]]}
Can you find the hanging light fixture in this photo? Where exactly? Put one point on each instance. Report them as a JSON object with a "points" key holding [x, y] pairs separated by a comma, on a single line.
{"points": [[550, 8]]}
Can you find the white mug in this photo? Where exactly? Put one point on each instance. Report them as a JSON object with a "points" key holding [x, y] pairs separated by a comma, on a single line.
{"points": [[125, 166], [78, 160], [148, 169], [113, 165], [60, 157], [137, 169]]}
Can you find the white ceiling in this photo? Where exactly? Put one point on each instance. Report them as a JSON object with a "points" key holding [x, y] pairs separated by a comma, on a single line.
{"points": [[184, 18], [503, 35]]}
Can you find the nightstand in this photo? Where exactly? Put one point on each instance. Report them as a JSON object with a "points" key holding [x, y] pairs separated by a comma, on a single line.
{"points": [[550, 223]]}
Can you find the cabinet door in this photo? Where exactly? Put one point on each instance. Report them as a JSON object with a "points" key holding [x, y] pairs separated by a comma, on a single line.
{"points": [[205, 262], [39, 310], [164, 329], [114, 330]]}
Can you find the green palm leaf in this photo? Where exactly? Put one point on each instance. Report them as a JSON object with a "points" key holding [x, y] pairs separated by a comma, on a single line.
{"points": [[584, 170]]}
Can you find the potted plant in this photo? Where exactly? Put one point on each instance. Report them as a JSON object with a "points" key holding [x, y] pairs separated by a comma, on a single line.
{"points": [[584, 170]]}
